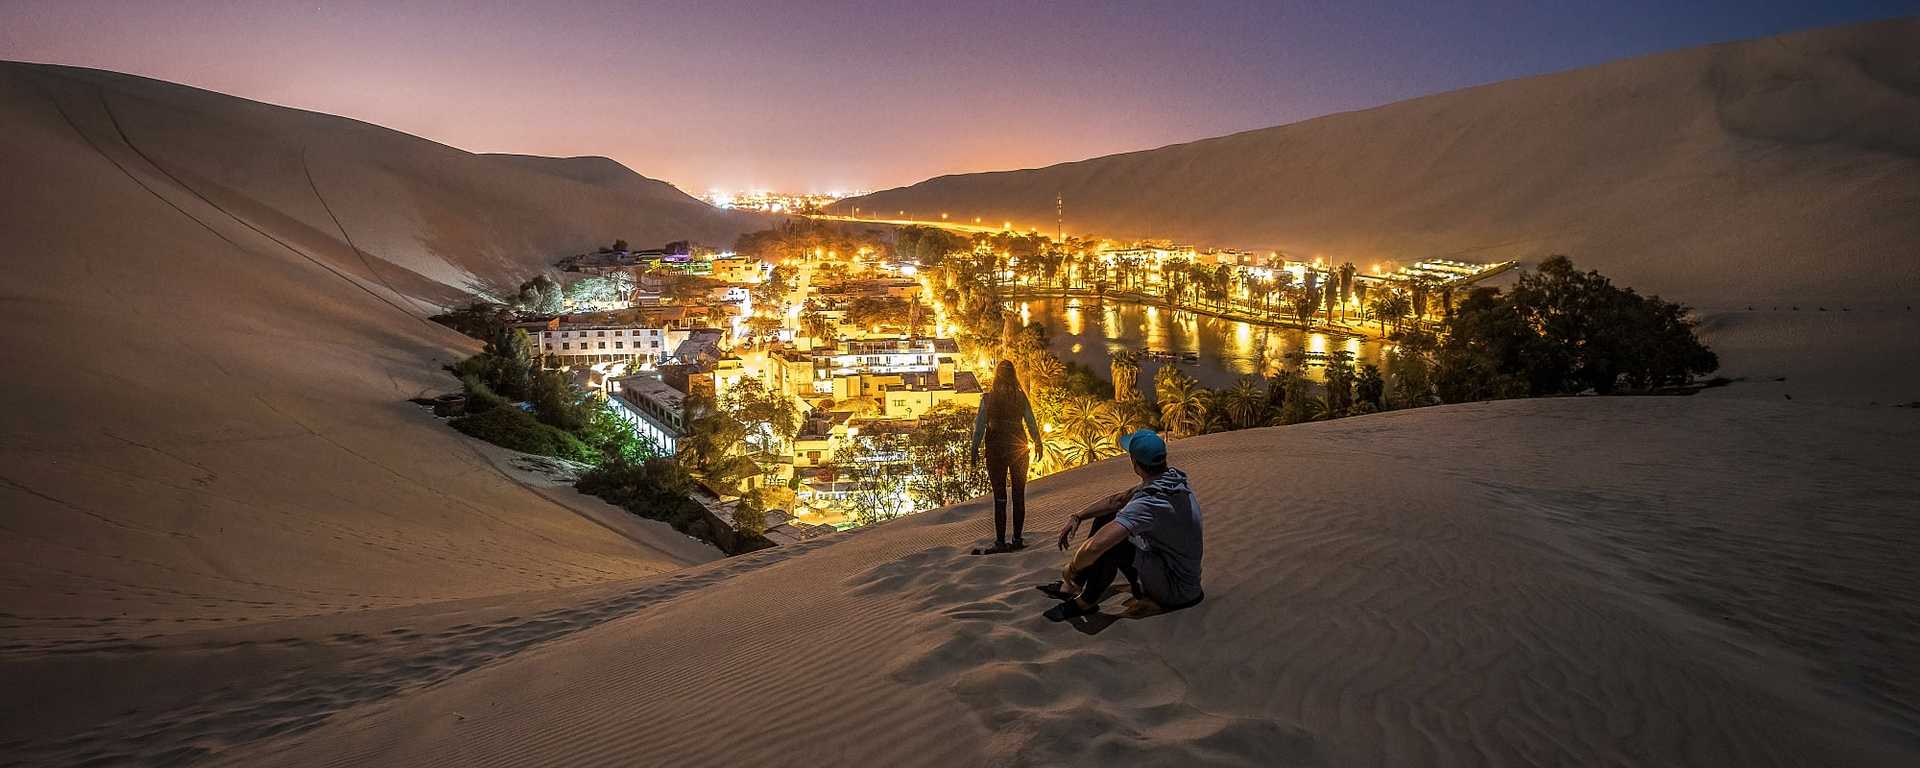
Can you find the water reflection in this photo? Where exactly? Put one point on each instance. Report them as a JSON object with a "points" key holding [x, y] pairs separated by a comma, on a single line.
{"points": [[1087, 332]]}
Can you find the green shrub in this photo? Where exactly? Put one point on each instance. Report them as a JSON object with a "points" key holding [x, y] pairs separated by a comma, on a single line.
{"points": [[480, 397], [660, 489], [510, 427]]}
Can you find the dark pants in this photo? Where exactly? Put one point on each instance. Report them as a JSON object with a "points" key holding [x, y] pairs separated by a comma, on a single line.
{"points": [[1095, 579], [1008, 467]]}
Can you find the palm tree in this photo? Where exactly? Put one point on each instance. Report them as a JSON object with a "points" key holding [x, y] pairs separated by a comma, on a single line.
{"points": [[1077, 414], [1044, 370], [1081, 448], [1339, 378], [1370, 388], [1125, 367], [1298, 402], [1183, 404], [1244, 404], [1111, 420], [1390, 307], [1346, 286], [1422, 287], [1053, 456], [817, 325]]}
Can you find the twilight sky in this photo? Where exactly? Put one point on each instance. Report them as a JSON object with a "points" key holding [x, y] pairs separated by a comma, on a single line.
{"points": [[817, 95]]}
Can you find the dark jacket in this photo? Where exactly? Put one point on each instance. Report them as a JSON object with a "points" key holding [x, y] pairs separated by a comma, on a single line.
{"points": [[1001, 433]]}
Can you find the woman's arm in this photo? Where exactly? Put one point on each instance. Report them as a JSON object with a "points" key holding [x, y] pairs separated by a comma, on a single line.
{"points": [[1033, 426], [979, 429]]}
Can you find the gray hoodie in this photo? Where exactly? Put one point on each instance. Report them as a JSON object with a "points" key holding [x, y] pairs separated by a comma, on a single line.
{"points": [[1163, 523]]}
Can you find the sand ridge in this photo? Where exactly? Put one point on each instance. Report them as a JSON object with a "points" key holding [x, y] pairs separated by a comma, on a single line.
{"points": [[220, 316], [1775, 170]]}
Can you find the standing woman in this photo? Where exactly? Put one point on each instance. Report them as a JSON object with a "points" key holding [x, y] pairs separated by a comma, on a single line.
{"points": [[1003, 412]]}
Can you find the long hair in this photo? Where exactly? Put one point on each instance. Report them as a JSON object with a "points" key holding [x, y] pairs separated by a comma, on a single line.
{"points": [[1004, 403], [1004, 379]]}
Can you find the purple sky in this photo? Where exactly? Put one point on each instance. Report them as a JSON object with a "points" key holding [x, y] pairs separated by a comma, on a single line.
{"points": [[814, 95]]}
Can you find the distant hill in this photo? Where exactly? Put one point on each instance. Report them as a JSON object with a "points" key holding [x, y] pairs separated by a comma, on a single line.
{"points": [[1778, 169], [215, 313]]}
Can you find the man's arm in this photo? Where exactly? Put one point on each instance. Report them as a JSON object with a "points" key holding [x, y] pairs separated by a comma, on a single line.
{"points": [[1095, 546], [1101, 507]]}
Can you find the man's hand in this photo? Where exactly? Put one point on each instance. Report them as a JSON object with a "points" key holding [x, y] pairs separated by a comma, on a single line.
{"points": [[1066, 532]]}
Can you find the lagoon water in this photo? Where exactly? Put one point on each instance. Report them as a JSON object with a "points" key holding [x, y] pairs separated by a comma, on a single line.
{"points": [[1087, 331]]}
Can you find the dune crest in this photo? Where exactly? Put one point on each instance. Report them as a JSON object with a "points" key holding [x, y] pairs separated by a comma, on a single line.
{"points": [[1782, 169], [216, 317]]}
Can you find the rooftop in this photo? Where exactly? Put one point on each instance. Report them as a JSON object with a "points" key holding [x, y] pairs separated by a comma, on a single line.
{"points": [[647, 387]]}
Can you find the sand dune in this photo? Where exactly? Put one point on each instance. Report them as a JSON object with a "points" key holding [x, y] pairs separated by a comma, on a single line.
{"points": [[215, 315], [1553, 582], [1783, 169]]}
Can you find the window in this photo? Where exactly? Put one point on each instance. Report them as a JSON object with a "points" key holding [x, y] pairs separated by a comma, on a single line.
{"points": [[619, 345], [603, 345], [566, 345], [619, 333], [549, 347], [565, 334], [601, 333]]}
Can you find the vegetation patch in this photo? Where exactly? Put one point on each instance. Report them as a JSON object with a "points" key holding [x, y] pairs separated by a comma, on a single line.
{"points": [[513, 428]]}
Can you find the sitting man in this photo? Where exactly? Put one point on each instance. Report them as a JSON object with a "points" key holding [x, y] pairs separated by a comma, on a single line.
{"points": [[1155, 540]]}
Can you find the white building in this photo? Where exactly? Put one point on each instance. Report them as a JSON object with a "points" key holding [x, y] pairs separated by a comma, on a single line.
{"points": [[884, 356], [562, 342], [656, 410]]}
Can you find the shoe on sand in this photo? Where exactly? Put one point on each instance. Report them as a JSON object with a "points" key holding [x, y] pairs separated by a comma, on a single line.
{"points": [[998, 547], [1069, 610], [1055, 590]]}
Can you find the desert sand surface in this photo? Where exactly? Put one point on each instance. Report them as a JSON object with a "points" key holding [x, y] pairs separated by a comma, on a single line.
{"points": [[215, 316], [1580, 581], [1782, 170]]}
